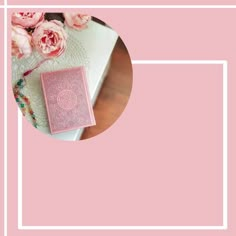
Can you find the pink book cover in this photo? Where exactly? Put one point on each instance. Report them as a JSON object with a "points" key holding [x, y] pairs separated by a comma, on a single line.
{"points": [[67, 100]]}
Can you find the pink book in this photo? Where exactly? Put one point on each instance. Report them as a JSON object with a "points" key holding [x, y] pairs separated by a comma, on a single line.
{"points": [[67, 100]]}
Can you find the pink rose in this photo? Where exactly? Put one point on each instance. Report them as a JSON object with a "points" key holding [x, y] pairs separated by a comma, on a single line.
{"points": [[49, 38], [76, 20], [20, 42], [27, 19]]}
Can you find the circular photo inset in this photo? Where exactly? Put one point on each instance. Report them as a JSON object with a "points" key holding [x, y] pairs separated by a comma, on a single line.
{"points": [[71, 73]]}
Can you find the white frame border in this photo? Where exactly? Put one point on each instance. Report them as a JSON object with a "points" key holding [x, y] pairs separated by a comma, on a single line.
{"points": [[92, 6], [225, 162]]}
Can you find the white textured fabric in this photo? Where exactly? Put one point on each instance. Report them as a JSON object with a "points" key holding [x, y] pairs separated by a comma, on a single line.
{"points": [[91, 47]]}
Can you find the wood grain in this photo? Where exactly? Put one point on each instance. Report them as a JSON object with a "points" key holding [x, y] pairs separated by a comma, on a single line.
{"points": [[114, 93]]}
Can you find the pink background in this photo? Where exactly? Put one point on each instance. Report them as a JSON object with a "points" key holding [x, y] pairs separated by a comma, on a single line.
{"points": [[1, 124], [159, 164], [127, 180], [125, 2]]}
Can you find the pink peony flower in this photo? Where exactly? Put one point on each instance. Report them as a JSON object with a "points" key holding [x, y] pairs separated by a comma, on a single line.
{"points": [[49, 38], [27, 19], [20, 42], [76, 20]]}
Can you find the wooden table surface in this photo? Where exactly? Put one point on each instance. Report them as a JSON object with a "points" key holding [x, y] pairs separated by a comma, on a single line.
{"points": [[114, 93]]}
